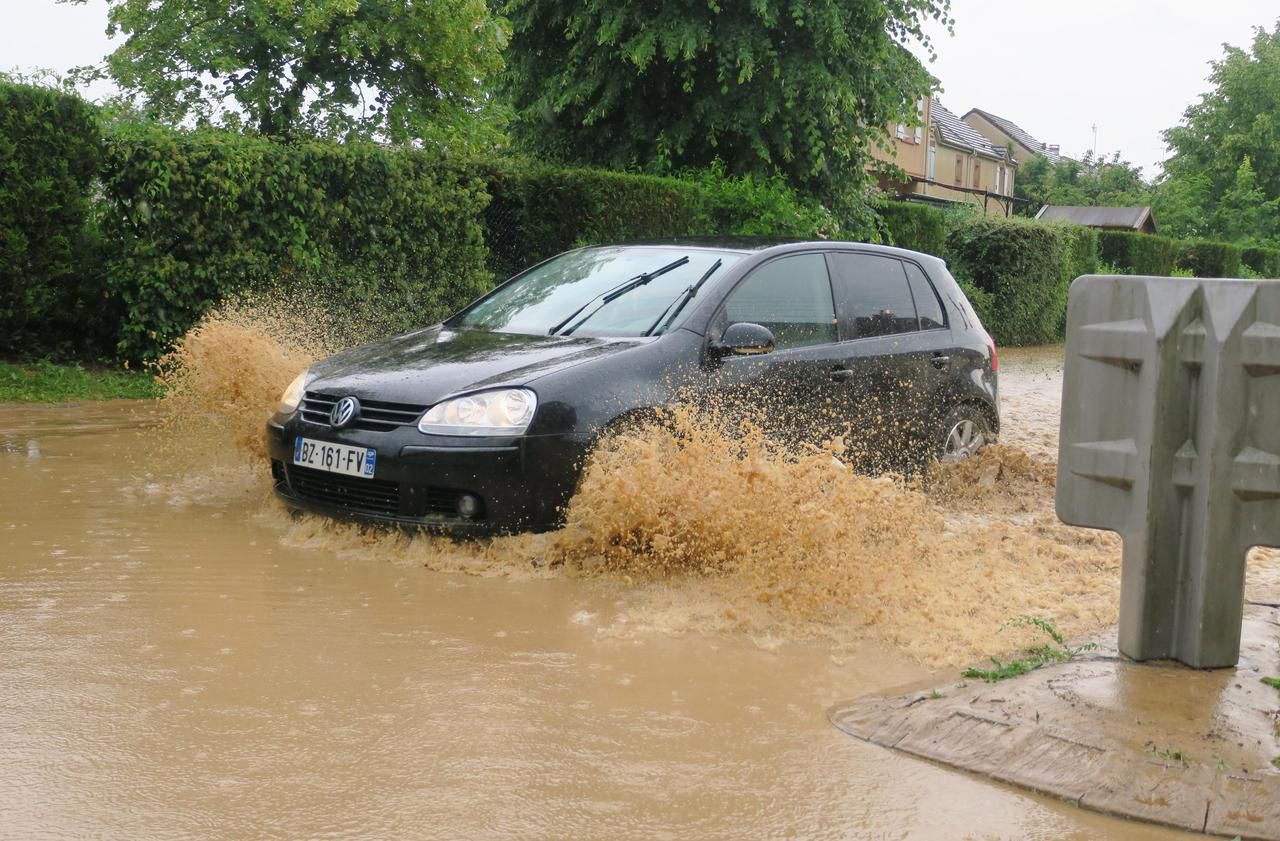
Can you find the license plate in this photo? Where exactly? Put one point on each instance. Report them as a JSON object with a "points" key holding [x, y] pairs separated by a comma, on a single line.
{"points": [[334, 458]]}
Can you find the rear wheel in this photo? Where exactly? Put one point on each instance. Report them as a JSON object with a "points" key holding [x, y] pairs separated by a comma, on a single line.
{"points": [[965, 431]]}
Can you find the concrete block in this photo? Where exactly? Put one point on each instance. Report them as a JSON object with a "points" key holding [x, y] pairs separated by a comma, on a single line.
{"points": [[1170, 436]]}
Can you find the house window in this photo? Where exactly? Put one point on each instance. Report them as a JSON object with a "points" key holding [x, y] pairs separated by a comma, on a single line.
{"points": [[919, 134], [959, 170], [932, 171], [902, 131], [1000, 180], [977, 175]]}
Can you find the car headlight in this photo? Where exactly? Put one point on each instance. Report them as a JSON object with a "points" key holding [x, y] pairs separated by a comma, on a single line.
{"points": [[505, 411], [293, 394]]}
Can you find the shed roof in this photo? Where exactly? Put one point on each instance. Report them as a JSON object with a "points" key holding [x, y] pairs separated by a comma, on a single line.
{"points": [[959, 134], [1125, 218], [1020, 135]]}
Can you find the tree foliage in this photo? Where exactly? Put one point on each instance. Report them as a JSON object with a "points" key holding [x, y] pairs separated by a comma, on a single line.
{"points": [[799, 88], [399, 69], [1222, 178], [1091, 182]]}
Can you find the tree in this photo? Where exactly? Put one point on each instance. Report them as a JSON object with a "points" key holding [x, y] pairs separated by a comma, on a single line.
{"points": [[1225, 154], [800, 89], [1091, 182], [399, 69]]}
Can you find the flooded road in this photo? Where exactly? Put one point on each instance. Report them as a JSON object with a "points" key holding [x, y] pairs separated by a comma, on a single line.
{"points": [[179, 660]]}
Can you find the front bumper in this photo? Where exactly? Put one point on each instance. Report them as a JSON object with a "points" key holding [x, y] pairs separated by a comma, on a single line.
{"points": [[523, 484]]}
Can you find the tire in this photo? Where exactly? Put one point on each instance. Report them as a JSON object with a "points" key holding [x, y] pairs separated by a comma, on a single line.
{"points": [[966, 430]]}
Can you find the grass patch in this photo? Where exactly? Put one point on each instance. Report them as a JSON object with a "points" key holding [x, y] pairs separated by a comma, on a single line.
{"points": [[1041, 655], [1273, 682], [45, 382]]}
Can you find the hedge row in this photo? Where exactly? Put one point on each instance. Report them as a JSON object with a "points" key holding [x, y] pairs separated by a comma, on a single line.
{"points": [[1017, 272], [49, 156], [1139, 254], [538, 210], [919, 227]]}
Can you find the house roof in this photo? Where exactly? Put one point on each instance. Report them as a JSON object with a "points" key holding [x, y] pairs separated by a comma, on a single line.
{"points": [[959, 134], [1019, 135], [1126, 218]]}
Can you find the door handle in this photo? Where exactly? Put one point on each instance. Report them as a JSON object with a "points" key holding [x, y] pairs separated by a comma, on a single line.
{"points": [[940, 361], [841, 375]]}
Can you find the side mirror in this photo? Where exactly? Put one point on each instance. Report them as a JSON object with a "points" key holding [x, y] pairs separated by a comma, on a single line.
{"points": [[744, 339]]}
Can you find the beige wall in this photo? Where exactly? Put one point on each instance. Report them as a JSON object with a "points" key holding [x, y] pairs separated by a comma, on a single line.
{"points": [[996, 135], [909, 145]]}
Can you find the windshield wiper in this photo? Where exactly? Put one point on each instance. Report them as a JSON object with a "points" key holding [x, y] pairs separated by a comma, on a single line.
{"points": [[613, 294], [679, 303]]}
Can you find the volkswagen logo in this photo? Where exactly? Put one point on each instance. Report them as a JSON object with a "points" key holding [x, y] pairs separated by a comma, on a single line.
{"points": [[344, 412]]}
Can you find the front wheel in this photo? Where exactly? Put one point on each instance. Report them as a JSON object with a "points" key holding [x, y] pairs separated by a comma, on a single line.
{"points": [[965, 431]]}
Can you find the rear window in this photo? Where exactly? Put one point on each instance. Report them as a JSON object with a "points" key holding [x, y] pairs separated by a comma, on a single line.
{"points": [[928, 307], [873, 295]]}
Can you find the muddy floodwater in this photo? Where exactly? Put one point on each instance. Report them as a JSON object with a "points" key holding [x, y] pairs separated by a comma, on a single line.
{"points": [[179, 661]]}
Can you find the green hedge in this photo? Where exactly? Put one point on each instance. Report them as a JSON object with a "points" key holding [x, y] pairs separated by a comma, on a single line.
{"points": [[49, 155], [1265, 262], [1016, 272], [195, 216], [916, 226], [1209, 259], [539, 210], [1139, 254]]}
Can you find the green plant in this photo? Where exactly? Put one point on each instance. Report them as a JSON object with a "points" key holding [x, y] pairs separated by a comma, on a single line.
{"points": [[1273, 682], [918, 227], [1016, 273], [1264, 262], [1110, 269], [538, 210], [1138, 254], [192, 217], [49, 156], [1170, 753], [45, 382], [1057, 651], [1209, 259]]}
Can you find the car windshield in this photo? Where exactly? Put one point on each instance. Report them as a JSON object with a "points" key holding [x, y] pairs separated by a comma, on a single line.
{"points": [[561, 293]]}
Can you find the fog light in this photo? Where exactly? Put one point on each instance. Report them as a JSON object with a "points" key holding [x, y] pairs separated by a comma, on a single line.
{"points": [[469, 506]]}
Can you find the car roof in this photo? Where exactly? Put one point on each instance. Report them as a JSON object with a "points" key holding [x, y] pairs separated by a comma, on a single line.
{"points": [[752, 245]]}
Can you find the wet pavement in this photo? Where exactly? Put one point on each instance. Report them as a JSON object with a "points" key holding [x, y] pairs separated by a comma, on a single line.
{"points": [[175, 663]]}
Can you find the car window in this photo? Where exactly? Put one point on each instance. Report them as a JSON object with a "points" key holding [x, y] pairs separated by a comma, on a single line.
{"points": [[873, 294], [928, 307], [791, 296]]}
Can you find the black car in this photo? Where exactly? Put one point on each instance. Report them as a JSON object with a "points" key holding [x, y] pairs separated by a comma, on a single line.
{"points": [[482, 423]]}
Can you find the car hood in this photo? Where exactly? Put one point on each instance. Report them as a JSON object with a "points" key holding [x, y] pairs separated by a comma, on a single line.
{"points": [[429, 365]]}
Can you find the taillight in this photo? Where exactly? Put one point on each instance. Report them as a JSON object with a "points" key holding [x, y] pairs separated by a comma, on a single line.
{"points": [[995, 357]]}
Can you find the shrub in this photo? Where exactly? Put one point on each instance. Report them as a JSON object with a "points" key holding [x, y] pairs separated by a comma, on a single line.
{"points": [[195, 216], [538, 210], [49, 154], [1209, 259], [913, 225], [1016, 274], [1265, 262], [1139, 254]]}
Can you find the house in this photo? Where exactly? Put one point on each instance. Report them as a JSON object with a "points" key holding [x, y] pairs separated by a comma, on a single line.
{"points": [[1138, 219], [1007, 133], [948, 162]]}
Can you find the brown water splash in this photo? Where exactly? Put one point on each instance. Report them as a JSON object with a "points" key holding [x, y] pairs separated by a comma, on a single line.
{"points": [[704, 525]]}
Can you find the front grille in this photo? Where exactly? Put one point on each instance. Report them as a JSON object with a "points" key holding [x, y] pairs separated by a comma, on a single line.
{"points": [[351, 493], [375, 415], [368, 496]]}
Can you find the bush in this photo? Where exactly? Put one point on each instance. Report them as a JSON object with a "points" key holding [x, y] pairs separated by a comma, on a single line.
{"points": [[193, 217], [1265, 262], [1209, 259], [49, 154], [916, 226], [538, 210], [1016, 273], [1139, 254]]}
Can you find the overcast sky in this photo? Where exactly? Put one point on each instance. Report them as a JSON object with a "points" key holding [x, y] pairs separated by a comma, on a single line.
{"points": [[1055, 68]]}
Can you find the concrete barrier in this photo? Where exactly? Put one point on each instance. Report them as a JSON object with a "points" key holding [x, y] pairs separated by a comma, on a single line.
{"points": [[1170, 436]]}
